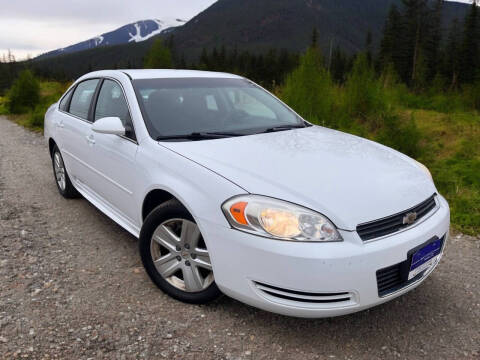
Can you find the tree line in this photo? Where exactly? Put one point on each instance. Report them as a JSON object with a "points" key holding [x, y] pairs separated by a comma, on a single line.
{"points": [[414, 49], [268, 69], [415, 46]]}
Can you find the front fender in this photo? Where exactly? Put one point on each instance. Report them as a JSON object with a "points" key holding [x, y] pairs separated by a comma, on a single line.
{"points": [[199, 189]]}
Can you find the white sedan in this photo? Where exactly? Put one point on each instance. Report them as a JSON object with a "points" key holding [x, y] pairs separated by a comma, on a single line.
{"points": [[230, 191]]}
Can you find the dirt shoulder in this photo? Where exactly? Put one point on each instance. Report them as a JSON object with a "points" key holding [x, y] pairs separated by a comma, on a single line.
{"points": [[72, 286]]}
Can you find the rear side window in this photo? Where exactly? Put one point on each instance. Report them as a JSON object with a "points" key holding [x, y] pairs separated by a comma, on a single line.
{"points": [[65, 101], [82, 98]]}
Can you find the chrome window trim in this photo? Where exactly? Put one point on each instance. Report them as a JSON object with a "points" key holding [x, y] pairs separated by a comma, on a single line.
{"points": [[128, 105], [74, 87], [90, 122]]}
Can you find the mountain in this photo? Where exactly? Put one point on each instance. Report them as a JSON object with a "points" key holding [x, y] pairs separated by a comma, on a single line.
{"points": [[135, 32], [255, 26], [258, 25]]}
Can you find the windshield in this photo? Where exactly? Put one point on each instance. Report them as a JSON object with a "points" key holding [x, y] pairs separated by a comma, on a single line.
{"points": [[174, 107]]}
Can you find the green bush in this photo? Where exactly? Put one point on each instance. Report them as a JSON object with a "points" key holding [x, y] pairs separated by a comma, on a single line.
{"points": [[471, 96], [24, 93], [37, 116], [363, 91], [309, 89], [400, 135], [3, 106]]}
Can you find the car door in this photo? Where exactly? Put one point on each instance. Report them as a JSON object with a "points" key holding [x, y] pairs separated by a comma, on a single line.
{"points": [[74, 128], [113, 156]]}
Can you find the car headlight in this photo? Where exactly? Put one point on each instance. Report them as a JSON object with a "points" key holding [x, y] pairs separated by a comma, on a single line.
{"points": [[278, 219]]}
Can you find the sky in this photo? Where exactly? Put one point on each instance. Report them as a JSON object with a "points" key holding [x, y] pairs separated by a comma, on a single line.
{"points": [[32, 27]]}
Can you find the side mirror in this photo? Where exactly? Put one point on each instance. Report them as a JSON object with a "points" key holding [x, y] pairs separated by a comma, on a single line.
{"points": [[109, 125]]}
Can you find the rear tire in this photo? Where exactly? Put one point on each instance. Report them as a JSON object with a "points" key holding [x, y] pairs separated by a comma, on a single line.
{"points": [[64, 185], [175, 256]]}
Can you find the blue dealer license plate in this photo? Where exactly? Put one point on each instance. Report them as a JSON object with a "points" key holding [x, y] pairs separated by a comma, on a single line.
{"points": [[425, 258]]}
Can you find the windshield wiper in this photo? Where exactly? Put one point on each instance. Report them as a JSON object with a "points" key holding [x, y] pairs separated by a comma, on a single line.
{"points": [[199, 136], [286, 127]]}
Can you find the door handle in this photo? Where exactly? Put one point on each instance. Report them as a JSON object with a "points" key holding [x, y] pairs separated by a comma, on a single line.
{"points": [[90, 139], [60, 124]]}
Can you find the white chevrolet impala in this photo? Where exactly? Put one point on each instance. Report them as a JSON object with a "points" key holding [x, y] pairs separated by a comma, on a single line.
{"points": [[230, 191]]}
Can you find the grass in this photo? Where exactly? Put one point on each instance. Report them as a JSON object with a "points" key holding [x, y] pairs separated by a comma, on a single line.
{"points": [[448, 143], [451, 150], [50, 92], [3, 105]]}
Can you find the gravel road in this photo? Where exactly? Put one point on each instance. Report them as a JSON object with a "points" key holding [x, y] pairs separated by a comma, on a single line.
{"points": [[72, 286]]}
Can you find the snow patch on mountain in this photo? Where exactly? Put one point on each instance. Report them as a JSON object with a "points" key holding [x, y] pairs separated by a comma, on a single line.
{"points": [[135, 32], [466, 1], [98, 40], [162, 25]]}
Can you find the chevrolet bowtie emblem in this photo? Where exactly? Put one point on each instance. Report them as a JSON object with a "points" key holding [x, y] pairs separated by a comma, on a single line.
{"points": [[409, 218]]}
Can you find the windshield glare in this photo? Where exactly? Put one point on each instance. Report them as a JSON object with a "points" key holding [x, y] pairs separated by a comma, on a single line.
{"points": [[209, 105]]}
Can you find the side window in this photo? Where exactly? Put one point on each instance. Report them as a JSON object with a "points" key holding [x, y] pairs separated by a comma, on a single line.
{"points": [[65, 101], [111, 102], [82, 98]]}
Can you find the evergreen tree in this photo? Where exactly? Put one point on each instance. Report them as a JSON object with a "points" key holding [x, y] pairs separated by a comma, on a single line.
{"points": [[204, 60], [432, 41], [368, 47], [24, 94], [416, 25], [158, 57], [363, 90], [411, 41], [340, 66], [470, 53], [214, 60], [308, 89], [390, 45], [451, 64], [182, 64], [314, 41]]}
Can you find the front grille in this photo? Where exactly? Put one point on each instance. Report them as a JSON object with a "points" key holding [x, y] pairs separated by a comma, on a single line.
{"points": [[394, 223], [389, 278], [343, 298], [395, 277]]}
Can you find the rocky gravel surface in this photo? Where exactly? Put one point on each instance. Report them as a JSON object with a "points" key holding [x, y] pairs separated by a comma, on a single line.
{"points": [[72, 287]]}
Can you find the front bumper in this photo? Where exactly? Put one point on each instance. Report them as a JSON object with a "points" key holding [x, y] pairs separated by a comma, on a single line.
{"points": [[273, 275]]}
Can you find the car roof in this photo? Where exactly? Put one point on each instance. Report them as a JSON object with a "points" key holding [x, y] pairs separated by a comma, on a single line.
{"points": [[163, 74]]}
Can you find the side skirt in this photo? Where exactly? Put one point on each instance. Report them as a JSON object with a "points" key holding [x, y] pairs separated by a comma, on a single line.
{"points": [[106, 208]]}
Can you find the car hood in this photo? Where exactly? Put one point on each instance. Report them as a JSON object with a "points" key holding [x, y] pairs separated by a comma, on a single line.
{"points": [[348, 179]]}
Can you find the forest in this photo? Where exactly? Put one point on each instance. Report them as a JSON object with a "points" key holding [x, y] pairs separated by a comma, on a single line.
{"points": [[418, 92]]}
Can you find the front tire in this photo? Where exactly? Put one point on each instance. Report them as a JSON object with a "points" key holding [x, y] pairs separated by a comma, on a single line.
{"points": [[175, 256], [64, 185]]}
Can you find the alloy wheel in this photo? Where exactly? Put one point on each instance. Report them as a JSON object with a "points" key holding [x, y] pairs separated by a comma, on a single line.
{"points": [[180, 255], [59, 168]]}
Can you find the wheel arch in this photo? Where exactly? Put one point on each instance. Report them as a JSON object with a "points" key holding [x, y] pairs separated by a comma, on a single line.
{"points": [[51, 145], [155, 198]]}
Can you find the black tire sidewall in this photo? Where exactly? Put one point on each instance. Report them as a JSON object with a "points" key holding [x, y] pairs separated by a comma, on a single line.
{"points": [[70, 192], [170, 210]]}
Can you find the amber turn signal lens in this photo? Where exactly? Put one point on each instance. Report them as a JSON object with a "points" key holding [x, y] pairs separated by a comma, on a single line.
{"points": [[238, 212]]}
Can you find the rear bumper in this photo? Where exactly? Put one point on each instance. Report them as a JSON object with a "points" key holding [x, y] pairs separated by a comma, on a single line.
{"points": [[313, 280]]}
